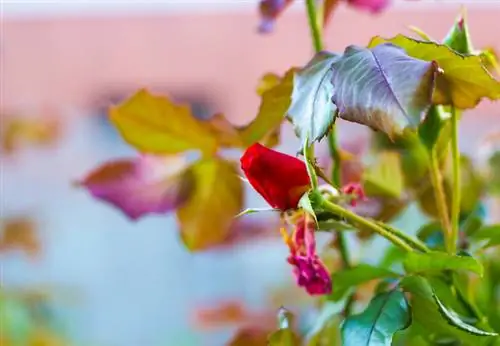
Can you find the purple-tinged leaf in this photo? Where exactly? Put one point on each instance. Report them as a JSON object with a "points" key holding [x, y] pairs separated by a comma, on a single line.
{"points": [[383, 87], [311, 110], [141, 186]]}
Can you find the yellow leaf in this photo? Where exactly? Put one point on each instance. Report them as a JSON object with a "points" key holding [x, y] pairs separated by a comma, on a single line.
{"points": [[465, 80], [384, 178], [206, 217], [273, 107], [490, 60], [268, 81], [156, 125]]}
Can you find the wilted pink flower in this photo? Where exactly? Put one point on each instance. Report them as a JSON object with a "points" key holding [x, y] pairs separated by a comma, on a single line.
{"points": [[309, 271], [373, 6], [355, 192]]}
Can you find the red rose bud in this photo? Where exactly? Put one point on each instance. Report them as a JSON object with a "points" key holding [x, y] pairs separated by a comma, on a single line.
{"points": [[281, 179]]}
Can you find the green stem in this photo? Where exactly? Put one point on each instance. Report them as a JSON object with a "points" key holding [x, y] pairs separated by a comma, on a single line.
{"points": [[315, 23], [440, 200], [455, 204], [417, 244], [335, 155], [315, 16], [342, 245], [355, 219]]}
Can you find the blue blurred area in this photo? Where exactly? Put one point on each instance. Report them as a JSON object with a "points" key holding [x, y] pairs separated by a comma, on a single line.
{"points": [[130, 283]]}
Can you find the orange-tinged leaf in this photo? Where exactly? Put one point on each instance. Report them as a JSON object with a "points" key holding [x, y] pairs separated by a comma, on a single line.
{"points": [[464, 81], [250, 337], [154, 124], [20, 233], [227, 135], [273, 107], [205, 219], [44, 337], [329, 8], [228, 313], [19, 132]]}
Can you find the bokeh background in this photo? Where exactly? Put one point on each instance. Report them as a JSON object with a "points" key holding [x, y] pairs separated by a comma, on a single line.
{"points": [[83, 268]]}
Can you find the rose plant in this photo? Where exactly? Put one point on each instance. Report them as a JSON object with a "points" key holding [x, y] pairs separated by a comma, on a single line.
{"points": [[438, 286]]}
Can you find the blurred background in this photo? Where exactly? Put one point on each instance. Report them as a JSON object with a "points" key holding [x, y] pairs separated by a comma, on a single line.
{"points": [[75, 271]]}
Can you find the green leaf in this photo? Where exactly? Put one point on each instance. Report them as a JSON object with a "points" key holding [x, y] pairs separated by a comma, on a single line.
{"points": [[490, 60], [433, 262], [206, 217], [490, 233], [326, 326], [454, 319], [306, 204], [458, 38], [345, 279], [433, 129], [426, 316], [382, 87], [273, 106], [392, 255], [384, 177], [493, 176], [432, 235], [386, 314], [154, 124], [465, 80], [472, 223], [471, 184], [312, 110], [284, 336]]}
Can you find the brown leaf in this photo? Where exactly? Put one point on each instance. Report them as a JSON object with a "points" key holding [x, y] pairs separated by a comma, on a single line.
{"points": [[20, 233]]}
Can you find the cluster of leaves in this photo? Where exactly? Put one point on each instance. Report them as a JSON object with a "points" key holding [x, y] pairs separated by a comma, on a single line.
{"points": [[27, 319], [206, 193], [409, 91], [406, 89]]}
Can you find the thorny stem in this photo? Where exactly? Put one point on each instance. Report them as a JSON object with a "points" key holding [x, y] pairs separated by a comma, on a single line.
{"points": [[455, 202], [315, 16], [439, 195], [355, 219], [417, 244]]}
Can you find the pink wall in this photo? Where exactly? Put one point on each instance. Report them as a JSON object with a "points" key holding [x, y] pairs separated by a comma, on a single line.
{"points": [[67, 62]]}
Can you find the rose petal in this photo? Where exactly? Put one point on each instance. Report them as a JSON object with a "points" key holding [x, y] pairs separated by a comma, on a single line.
{"points": [[146, 185]]}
